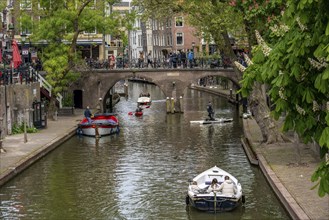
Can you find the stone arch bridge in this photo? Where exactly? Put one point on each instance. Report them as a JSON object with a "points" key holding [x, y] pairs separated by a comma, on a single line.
{"points": [[97, 84]]}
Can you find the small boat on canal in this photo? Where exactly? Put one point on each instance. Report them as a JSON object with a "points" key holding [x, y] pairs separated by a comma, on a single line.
{"points": [[100, 125], [215, 121], [201, 197], [144, 100]]}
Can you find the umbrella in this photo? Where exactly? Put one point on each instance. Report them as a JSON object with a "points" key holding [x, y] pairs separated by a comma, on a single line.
{"points": [[17, 59]]}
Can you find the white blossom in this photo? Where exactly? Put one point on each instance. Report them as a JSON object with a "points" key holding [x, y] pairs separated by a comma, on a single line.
{"points": [[279, 30], [318, 65], [265, 48], [316, 106], [259, 38], [300, 110], [239, 66], [282, 96], [302, 27], [247, 59]]}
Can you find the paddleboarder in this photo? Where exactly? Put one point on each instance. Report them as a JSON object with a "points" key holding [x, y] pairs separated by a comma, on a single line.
{"points": [[210, 111]]}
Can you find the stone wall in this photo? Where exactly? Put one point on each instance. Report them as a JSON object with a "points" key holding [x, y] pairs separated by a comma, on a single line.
{"points": [[16, 102]]}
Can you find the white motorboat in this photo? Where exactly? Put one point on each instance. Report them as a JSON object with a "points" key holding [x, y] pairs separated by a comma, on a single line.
{"points": [[144, 100], [199, 197]]}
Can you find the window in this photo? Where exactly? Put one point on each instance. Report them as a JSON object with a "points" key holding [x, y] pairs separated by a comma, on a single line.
{"points": [[139, 40], [26, 4], [179, 38], [179, 21]]}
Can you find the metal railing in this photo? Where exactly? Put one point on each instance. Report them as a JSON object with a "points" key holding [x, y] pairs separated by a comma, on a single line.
{"points": [[25, 74], [167, 63]]}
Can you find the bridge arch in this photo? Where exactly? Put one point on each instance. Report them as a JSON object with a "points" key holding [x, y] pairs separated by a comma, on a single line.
{"points": [[173, 82]]}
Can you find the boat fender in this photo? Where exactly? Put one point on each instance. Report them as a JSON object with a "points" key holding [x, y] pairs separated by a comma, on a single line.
{"points": [[187, 200], [243, 199]]}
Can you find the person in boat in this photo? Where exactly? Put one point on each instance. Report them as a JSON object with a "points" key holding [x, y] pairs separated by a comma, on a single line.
{"points": [[228, 187], [87, 114], [214, 187], [210, 111], [139, 109], [195, 188]]}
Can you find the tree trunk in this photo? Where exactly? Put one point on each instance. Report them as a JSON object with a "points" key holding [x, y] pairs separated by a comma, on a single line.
{"points": [[52, 109], [257, 104], [261, 112]]}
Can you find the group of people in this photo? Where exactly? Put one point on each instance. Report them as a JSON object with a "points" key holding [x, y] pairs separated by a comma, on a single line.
{"points": [[226, 188], [173, 59]]}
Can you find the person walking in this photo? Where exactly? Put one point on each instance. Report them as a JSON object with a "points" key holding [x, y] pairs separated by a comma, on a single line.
{"points": [[190, 58], [141, 60], [112, 61], [183, 58], [149, 59]]}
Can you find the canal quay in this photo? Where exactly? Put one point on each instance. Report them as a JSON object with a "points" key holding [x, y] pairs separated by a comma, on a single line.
{"points": [[290, 182]]}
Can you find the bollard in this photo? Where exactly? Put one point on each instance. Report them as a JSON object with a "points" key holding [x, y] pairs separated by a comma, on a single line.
{"points": [[126, 90], [97, 135], [168, 104], [172, 105], [181, 102]]}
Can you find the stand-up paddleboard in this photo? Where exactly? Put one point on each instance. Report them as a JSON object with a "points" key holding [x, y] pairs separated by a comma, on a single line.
{"points": [[216, 121]]}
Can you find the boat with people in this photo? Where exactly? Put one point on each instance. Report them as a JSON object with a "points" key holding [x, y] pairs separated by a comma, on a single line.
{"points": [[214, 121], [100, 125], [214, 190], [144, 100]]}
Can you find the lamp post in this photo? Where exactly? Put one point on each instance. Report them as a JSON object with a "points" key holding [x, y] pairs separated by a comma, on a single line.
{"points": [[25, 48], [193, 45], [11, 32]]}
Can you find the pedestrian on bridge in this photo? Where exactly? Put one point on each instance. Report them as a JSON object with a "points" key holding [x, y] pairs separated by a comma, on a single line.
{"points": [[190, 58]]}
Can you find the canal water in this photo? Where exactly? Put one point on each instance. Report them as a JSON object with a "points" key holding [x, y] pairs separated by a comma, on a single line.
{"points": [[143, 172]]}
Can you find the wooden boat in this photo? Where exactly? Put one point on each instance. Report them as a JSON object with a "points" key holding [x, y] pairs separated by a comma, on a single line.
{"points": [[199, 197], [216, 121], [101, 125]]}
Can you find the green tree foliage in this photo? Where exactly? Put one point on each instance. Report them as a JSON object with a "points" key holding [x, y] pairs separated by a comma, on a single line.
{"points": [[293, 60], [58, 24]]}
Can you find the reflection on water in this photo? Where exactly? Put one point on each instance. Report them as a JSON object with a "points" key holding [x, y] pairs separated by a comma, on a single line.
{"points": [[143, 172]]}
